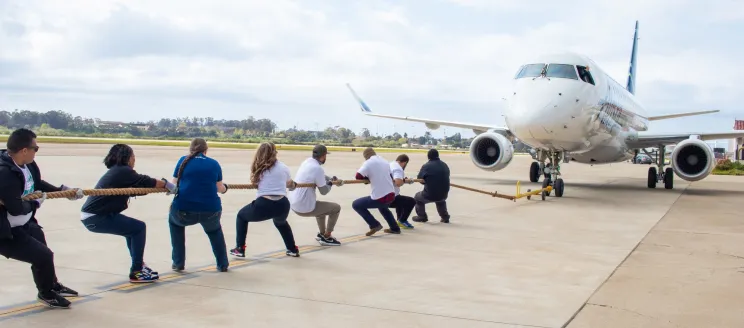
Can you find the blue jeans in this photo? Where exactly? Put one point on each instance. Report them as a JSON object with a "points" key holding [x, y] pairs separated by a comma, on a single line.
{"points": [[362, 206], [210, 222], [133, 230]]}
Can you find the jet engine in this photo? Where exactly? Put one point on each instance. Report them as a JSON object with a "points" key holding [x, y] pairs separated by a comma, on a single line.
{"points": [[491, 151], [693, 160]]}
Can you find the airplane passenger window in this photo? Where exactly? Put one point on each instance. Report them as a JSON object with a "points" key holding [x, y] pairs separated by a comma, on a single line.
{"points": [[563, 71], [531, 70], [585, 75]]}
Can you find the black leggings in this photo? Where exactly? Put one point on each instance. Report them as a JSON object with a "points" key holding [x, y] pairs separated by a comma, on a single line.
{"points": [[262, 209], [29, 245]]}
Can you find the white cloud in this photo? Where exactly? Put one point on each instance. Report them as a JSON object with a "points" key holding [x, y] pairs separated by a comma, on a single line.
{"points": [[289, 60]]}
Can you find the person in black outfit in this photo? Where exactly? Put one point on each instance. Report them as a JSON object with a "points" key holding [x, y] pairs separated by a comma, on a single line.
{"points": [[21, 236], [436, 175], [102, 214]]}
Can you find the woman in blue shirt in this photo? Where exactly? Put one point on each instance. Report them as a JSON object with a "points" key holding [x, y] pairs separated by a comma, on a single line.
{"points": [[198, 178]]}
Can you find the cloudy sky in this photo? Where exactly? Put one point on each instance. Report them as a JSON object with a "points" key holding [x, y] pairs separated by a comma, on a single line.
{"points": [[289, 60]]}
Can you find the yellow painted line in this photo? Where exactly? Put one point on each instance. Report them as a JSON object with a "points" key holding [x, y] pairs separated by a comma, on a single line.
{"points": [[131, 286], [353, 239], [308, 248], [32, 307], [234, 264], [276, 255]]}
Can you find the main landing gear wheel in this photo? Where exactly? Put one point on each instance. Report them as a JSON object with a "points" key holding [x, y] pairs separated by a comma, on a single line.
{"points": [[658, 173], [652, 177], [669, 178], [534, 172]]}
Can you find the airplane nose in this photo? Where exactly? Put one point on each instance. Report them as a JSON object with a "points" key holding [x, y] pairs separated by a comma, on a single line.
{"points": [[530, 108], [540, 108]]}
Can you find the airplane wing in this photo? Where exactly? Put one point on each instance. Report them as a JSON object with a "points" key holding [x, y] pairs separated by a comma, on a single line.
{"points": [[432, 124], [666, 117], [654, 140]]}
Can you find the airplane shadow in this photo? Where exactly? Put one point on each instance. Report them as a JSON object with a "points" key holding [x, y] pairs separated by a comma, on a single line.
{"points": [[713, 192], [620, 184]]}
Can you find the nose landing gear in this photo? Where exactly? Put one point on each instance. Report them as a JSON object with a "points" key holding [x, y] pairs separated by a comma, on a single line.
{"points": [[551, 171]]}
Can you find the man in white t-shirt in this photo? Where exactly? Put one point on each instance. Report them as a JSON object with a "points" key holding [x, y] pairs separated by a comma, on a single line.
{"points": [[303, 200], [377, 170], [403, 205]]}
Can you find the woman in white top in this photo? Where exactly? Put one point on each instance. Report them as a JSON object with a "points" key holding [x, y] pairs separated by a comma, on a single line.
{"points": [[272, 178]]}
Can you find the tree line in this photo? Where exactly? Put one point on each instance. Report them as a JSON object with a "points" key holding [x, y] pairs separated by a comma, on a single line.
{"points": [[60, 123]]}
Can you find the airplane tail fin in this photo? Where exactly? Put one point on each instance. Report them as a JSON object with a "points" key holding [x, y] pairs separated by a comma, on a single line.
{"points": [[361, 102], [633, 56]]}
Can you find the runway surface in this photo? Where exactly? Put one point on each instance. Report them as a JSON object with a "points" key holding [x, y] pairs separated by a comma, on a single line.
{"points": [[610, 253]]}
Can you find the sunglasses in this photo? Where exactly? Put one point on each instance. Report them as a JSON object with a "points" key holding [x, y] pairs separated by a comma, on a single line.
{"points": [[35, 149]]}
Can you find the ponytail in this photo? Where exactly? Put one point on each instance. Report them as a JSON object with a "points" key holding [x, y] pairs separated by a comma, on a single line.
{"points": [[198, 146]]}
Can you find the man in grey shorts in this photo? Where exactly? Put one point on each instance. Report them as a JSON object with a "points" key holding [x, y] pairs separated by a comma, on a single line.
{"points": [[303, 200]]}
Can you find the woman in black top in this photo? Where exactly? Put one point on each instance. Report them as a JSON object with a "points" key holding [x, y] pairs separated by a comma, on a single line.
{"points": [[102, 214]]}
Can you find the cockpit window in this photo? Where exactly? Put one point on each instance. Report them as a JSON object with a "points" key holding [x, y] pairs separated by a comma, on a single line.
{"points": [[563, 71], [584, 75], [530, 70]]}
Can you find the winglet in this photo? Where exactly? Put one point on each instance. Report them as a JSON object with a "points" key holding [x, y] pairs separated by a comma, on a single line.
{"points": [[363, 106]]}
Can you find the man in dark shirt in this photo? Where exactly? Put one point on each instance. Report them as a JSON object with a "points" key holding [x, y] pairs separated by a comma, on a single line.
{"points": [[436, 175], [21, 237]]}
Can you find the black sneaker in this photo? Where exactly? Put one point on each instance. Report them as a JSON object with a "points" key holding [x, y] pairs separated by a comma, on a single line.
{"points": [[153, 274], [53, 300], [419, 219], [329, 241], [177, 268], [62, 290], [396, 232], [443, 220], [293, 253], [141, 277], [238, 251], [222, 269]]}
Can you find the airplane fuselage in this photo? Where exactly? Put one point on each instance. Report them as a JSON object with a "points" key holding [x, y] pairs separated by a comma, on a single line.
{"points": [[567, 103], [568, 109]]}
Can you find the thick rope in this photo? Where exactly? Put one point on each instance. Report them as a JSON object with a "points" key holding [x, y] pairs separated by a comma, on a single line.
{"points": [[145, 191], [492, 194]]}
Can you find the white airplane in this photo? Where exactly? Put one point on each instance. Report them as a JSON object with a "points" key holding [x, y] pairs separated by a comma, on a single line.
{"points": [[568, 109]]}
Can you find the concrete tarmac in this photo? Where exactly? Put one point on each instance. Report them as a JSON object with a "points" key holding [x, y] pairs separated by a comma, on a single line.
{"points": [[610, 253]]}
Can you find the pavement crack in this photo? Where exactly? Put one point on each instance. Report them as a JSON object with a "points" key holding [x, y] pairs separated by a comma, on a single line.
{"points": [[581, 308], [633, 312], [659, 245], [731, 255]]}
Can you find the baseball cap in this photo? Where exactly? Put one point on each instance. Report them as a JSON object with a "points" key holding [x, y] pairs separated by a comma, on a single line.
{"points": [[320, 150]]}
